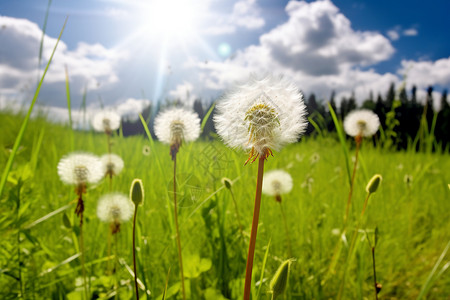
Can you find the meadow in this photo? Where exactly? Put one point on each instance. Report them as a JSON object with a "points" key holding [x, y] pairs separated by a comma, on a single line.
{"points": [[39, 230]]}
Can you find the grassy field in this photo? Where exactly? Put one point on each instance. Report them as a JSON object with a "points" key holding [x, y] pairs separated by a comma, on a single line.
{"points": [[39, 245]]}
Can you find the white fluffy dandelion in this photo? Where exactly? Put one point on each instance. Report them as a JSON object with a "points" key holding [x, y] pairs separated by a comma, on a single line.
{"points": [[277, 183], [114, 208], [106, 121], [363, 122], [177, 125], [112, 164], [261, 115], [79, 168]]}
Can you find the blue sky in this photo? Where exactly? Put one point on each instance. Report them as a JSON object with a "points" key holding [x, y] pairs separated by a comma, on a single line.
{"points": [[130, 52]]}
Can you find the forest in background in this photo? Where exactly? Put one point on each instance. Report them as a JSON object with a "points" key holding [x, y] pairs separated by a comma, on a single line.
{"points": [[406, 121]]}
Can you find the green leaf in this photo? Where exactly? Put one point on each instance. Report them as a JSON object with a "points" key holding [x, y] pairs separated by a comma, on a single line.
{"points": [[195, 265]]}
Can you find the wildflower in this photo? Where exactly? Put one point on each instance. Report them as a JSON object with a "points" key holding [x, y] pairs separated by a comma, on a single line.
{"points": [[261, 115], [146, 150], [276, 183], [80, 168], [112, 164], [114, 208], [175, 126], [363, 123], [106, 121]]}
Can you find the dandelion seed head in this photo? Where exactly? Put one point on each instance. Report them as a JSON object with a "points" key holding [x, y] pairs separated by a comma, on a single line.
{"points": [[106, 121], [177, 125], [361, 122], [80, 168], [112, 164], [261, 115], [114, 207], [277, 182]]}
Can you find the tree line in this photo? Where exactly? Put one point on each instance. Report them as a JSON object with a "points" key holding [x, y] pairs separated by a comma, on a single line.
{"points": [[406, 121]]}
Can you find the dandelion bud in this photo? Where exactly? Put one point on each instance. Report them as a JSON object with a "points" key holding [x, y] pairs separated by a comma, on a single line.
{"points": [[137, 192], [227, 183], [280, 279], [373, 184]]}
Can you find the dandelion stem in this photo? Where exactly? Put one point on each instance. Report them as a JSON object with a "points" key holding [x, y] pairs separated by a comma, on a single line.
{"points": [[180, 257], [286, 228], [375, 285], [134, 252], [251, 247], [116, 275], [79, 211], [352, 246], [358, 140], [83, 267]]}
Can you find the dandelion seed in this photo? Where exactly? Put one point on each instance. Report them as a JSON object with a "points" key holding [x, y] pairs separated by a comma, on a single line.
{"points": [[112, 164], [80, 168], [277, 183], [261, 115], [175, 126], [106, 121], [363, 123], [114, 208]]}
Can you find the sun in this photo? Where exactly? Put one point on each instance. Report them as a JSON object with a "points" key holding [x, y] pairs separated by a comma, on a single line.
{"points": [[170, 18]]}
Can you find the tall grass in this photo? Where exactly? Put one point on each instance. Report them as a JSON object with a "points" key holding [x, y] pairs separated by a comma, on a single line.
{"points": [[412, 220]]}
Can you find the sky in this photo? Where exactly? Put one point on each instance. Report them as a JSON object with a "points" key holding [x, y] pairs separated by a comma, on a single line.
{"points": [[126, 54]]}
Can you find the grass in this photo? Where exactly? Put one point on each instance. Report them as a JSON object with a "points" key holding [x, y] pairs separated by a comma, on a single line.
{"points": [[412, 257]]}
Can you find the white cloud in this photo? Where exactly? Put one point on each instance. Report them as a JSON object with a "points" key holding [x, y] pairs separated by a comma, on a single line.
{"points": [[246, 14], [393, 34], [426, 73], [184, 93], [89, 65], [131, 108], [410, 32], [316, 47]]}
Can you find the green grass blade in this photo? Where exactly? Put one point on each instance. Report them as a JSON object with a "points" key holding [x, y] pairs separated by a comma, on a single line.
{"points": [[206, 117], [341, 136], [27, 118], [48, 216], [429, 281], [44, 28], [36, 150], [68, 97], [261, 278], [316, 126]]}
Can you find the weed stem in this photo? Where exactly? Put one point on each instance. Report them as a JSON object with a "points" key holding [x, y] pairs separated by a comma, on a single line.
{"points": [[180, 257], [251, 247]]}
